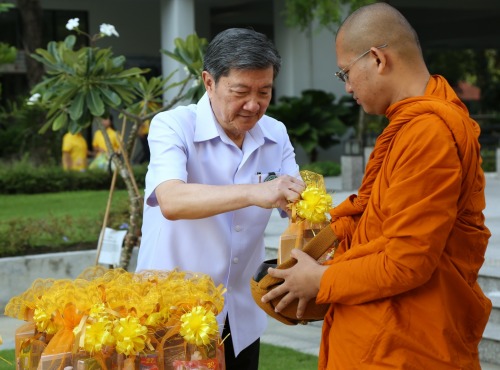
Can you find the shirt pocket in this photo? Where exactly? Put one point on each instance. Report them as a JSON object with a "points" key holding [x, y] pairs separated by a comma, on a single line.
{"points": [[265, 176]]}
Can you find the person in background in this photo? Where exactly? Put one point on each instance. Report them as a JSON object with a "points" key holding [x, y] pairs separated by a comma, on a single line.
{"points": [[402, 286], [74, 152], [217, 170], [98, 142], [143, 138]]}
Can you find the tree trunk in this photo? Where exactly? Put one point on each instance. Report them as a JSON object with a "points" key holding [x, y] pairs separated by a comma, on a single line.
{"points": [[132, 237], [32, 26], [122, 163]]}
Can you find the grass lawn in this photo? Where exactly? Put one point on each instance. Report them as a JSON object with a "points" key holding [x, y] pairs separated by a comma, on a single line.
{"points": [[76, 204], [271, 358], [7, 355], [281, 358], [54, 222]]}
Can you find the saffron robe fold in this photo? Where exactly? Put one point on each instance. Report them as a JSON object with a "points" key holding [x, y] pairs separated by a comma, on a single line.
{"points": [[403, 285]]}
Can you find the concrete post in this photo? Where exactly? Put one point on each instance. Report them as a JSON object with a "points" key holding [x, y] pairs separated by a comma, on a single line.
{"points": [[367, 151], [498, 162], [352, 171], [177, 20]]}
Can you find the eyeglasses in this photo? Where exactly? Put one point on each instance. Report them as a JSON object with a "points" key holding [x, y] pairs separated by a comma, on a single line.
{"points": [[343, 74]]}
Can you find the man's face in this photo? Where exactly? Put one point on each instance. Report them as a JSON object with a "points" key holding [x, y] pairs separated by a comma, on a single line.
{"points": [[240, 99]]}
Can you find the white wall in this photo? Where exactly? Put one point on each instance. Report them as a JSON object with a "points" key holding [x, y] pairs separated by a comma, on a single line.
{"points": [[308, 58]]}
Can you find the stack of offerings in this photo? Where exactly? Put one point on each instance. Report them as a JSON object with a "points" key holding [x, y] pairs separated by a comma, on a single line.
{"points": [[113, 319]]}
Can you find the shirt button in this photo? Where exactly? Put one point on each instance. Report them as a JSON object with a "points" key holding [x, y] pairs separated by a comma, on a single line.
{"points": [[237, 228], [235, 260]]}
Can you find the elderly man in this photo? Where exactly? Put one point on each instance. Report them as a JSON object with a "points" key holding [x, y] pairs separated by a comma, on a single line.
{"points": [[402, 286], [217, 169]]}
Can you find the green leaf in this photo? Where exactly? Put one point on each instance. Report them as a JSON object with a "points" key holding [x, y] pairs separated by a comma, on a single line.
{"points": [[7, 53], [70, 41], [44, 57], [74, 127], [95, 103], [118, 62], [173, 56], [110, 97], [53, 50], [132, 72], [60, 121], [45, 127], [76, 108]]}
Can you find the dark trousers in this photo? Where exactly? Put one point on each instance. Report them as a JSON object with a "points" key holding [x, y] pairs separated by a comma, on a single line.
{"points": [[248, 359]]}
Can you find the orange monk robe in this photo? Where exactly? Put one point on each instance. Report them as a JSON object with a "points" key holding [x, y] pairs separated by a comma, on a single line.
{"points": [[403, 289]]}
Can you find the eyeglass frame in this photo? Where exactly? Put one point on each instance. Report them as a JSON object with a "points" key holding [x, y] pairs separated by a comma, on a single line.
{"points": [[343, 73]]}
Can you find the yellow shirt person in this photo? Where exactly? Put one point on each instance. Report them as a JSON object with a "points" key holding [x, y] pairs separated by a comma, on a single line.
{"points": [[74, 152], [98, 142], [100, 151]]}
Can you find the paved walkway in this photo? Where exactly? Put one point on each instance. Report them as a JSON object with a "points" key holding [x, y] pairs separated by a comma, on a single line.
{"points": [[306, 338]]}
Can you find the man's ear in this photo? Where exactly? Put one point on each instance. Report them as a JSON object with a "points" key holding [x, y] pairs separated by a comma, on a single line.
{"points": [[208, 81]]}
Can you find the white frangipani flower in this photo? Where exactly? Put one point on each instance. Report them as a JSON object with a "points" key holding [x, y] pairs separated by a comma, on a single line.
{"points": [[73, 23], [34, 98], [108, 30]]}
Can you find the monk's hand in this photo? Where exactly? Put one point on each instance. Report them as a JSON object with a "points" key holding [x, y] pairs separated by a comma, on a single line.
{"points": [[301, 282]]}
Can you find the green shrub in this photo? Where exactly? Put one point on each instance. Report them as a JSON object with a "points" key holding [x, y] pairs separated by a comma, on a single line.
{"points": [[489, 160], [316, 119], [326, 168], [25, 178]]}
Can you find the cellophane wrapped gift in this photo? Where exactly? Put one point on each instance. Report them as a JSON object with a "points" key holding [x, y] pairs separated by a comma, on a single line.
{"points": [[309, 215], [113, 319]]}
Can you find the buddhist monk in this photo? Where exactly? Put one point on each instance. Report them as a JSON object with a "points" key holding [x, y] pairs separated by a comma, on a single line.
{"points": [[402, 286]]}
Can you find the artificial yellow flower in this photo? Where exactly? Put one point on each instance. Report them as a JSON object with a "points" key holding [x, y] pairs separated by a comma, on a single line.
{"points": [[199, 326], [130, 336]]}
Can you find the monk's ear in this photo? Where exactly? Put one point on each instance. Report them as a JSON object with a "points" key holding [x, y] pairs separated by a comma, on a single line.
{"points": [[380, 58]]}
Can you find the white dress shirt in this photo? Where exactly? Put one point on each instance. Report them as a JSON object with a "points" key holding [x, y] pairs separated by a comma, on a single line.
{"points": [[188, 144]]}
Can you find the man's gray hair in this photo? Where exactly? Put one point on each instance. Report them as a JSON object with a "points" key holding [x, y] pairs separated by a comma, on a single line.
{"points": [[240, 48]]}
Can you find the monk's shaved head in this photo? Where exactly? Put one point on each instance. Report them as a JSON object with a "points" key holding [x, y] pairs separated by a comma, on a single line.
{"points": [[379, 57], [379, 24]]}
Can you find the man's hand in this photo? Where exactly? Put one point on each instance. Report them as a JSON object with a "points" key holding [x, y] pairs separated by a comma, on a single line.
{"points": [[301, 282], [279, 192]]}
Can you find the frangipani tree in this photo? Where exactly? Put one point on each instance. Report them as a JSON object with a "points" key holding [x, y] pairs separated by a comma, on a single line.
{"points": [[83, 84]]}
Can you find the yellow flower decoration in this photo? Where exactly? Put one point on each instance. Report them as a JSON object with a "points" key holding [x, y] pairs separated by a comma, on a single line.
{"points": [[199, 326], [314, 205], [44, 322], [130, 336], [155, 319], [98, 335], [98, 311]]}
